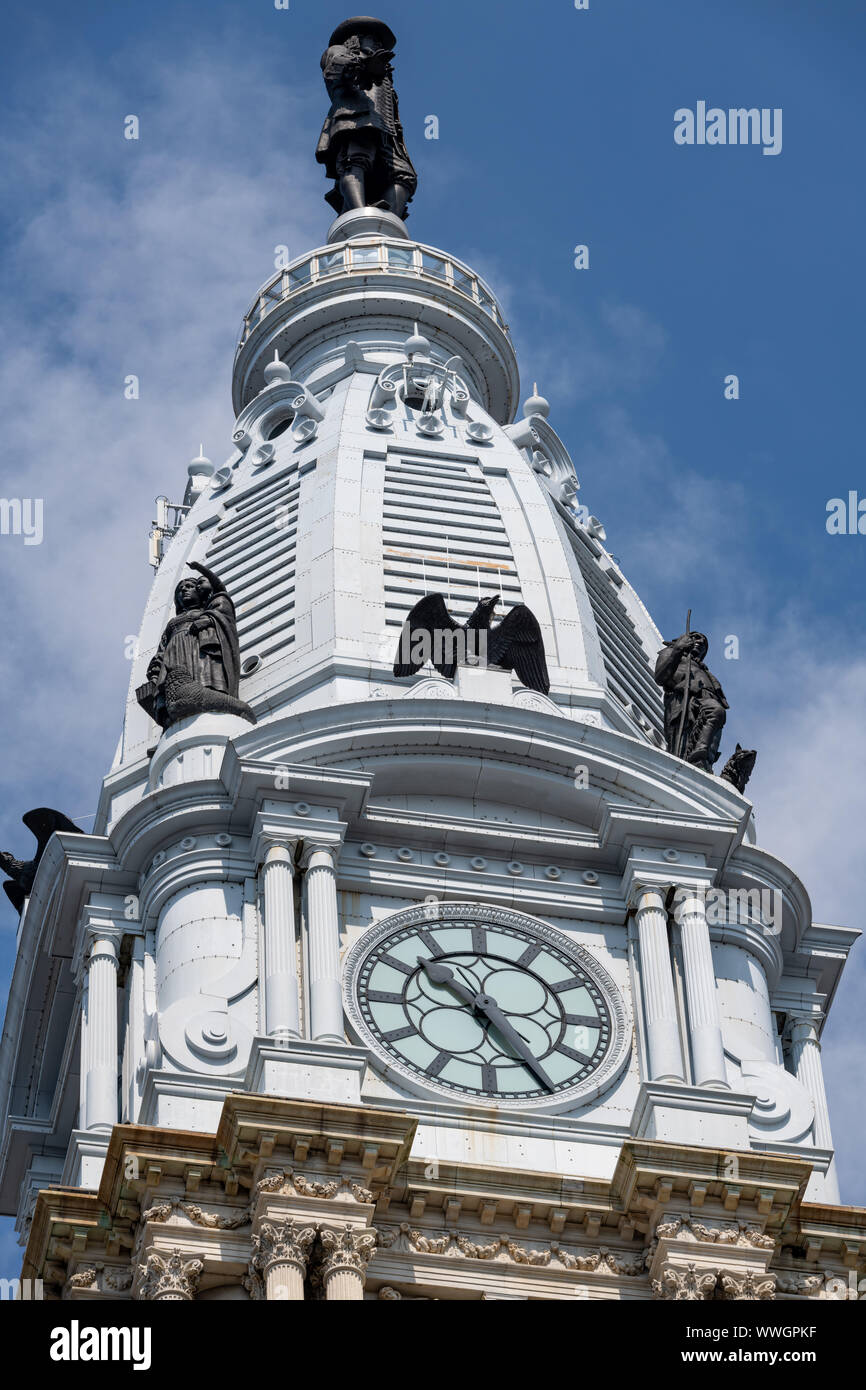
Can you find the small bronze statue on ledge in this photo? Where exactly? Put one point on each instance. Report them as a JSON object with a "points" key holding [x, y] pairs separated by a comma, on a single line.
{"points": [[695, 704], [196, 669], [361, 144], [739, 767]]}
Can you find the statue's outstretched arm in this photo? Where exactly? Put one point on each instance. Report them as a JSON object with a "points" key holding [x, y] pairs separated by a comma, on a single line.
{"points": [[215, 582]]}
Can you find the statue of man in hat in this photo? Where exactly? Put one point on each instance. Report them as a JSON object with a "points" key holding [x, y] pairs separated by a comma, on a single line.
{"points": [[361, 145], [695, 704]]}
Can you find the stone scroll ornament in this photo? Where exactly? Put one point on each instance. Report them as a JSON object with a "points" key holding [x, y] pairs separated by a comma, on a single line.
{"points": [[196, 669], [21, 872], [431, 634], [695, 704], [361, 144]]}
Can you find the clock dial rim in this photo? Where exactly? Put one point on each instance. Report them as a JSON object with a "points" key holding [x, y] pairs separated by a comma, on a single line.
{"points": [[415, 1080]]}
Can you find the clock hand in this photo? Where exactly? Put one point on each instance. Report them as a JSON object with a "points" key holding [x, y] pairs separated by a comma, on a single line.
{"points": [[491, 1010], [441, 975], [485, 1004]]}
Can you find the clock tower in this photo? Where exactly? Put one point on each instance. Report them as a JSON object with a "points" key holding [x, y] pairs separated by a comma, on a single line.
{"points": [[450, 985]]}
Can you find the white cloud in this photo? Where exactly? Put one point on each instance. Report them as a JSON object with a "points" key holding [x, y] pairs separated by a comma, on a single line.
{"points": [[127, 257]]}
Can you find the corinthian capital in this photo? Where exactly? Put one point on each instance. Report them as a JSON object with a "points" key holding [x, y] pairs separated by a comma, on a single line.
{"points": [[169, 1276], [749, 1288], [282, 1242], [689, 1283], [346, 1249]]}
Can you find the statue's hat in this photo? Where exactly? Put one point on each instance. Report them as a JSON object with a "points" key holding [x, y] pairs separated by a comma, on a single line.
{"points": [[363, 24]]}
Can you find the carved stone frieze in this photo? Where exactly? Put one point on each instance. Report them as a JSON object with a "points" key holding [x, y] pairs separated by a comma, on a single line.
{"points": [[339, 1189], [724, 1233], [404, 1238], [197, 1215]]}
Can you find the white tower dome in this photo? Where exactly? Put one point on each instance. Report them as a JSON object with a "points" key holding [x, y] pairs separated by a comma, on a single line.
{"points": [[444, 946]]}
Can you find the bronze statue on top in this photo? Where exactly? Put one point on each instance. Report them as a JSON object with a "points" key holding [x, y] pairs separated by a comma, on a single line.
{"points": [[196, 669], [361, 144]]}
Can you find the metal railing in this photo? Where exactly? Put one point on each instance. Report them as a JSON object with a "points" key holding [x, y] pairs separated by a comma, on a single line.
{"points": [[371, 257]]}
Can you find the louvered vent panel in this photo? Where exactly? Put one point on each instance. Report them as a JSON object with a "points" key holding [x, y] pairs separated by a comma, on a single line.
{"points": [[443, 534], [625, 659], [253, 552]]}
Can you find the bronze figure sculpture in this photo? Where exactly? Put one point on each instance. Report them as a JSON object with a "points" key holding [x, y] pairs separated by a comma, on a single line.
{"points": [[739, 767], [196, 669], [695, 704], [361, 144]]}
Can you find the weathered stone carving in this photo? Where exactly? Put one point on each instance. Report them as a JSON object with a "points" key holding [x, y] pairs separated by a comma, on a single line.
{"points": [[502, 1248], [361, 144], [695, 704], [686, 1284], [169, 1278], [344, 1188], [739, 767], [42, 822], [346, 1249], [807, 1285], [196, 669], [728, 1233], [431, 634], [284, 1242], [749, 1288]]}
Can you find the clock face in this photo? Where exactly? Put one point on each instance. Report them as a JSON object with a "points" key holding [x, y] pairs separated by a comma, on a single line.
{"points": [[482, 1002]]}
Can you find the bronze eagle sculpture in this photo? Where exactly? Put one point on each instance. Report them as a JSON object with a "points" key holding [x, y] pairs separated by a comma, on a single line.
{"points": [[431, 634], [43, 822]]}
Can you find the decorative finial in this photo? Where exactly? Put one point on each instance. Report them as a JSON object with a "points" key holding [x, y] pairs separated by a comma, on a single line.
{"points": [[417, 345], [276, 371], [358, 76], [200, 466], [536, 405]]}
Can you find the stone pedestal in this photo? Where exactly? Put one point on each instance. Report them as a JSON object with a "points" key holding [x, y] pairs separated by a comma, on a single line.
{"points": [[192, 749], [692, 1115], [306, 1070], [488, 684], [361, 222]]}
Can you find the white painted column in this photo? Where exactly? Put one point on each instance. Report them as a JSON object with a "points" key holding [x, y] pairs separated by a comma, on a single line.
{"points": [[99, 1030], [84, 1061], [660, 1005], [323, 940], [279, 972], [705, 1029], [806, 1064]]}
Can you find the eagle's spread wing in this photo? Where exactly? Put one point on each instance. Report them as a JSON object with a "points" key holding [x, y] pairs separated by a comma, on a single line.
{"points": [[422, 637], [517, 644], [43, 822]]}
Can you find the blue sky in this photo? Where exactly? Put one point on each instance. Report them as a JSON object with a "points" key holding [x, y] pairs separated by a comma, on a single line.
{"points": [[556, 128]]}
